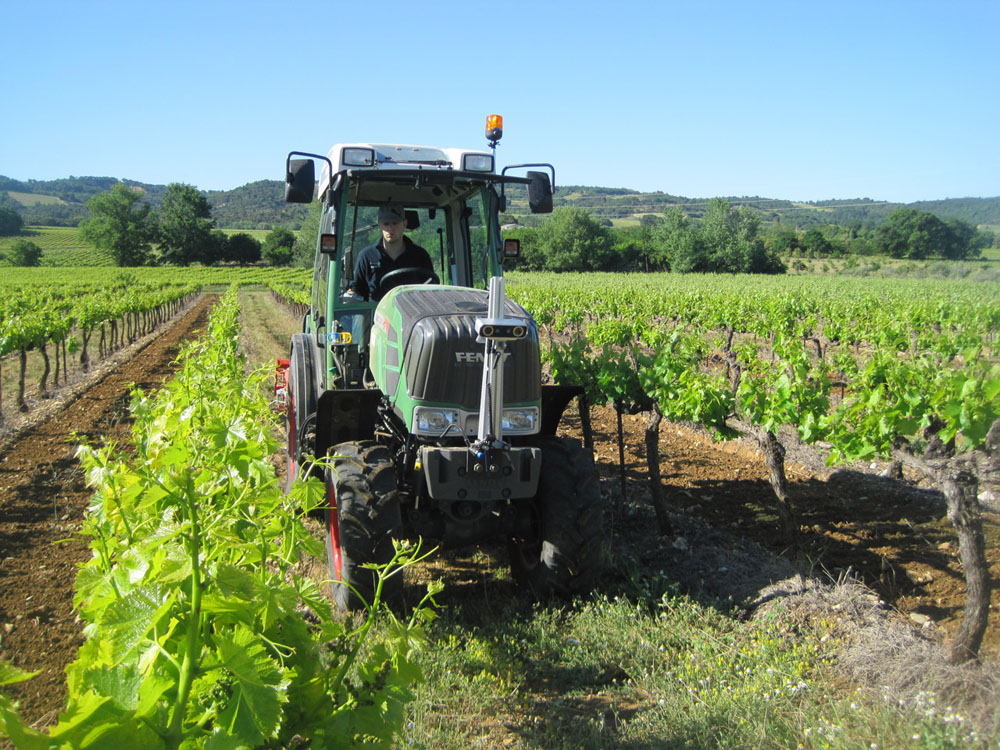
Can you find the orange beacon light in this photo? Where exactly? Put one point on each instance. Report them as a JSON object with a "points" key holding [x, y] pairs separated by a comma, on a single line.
{"points": [[494, 128]]}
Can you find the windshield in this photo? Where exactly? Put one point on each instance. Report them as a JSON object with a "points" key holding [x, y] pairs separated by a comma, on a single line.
{"points": [[449, 216], [430, 233]]}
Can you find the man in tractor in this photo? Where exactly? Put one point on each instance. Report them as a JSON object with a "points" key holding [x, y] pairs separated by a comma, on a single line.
{"points": [[395, 251]]}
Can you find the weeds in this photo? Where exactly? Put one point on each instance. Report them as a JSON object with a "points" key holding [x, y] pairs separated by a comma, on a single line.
{"points": [[654, 669]]}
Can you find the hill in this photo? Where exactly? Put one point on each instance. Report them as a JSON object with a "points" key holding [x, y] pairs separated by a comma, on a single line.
{"points": [[616, 204], [257, 205], [64, 202], [260, 204]]}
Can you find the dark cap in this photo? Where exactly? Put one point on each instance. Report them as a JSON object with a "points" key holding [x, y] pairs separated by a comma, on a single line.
{"points": [[391, 212]]}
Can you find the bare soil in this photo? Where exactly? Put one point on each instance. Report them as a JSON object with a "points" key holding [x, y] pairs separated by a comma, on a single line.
{"points": [[43, 497], [894, 536]]}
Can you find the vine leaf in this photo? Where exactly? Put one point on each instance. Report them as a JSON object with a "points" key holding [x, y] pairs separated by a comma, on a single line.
{"points": [[126, 621], [254, 708]]}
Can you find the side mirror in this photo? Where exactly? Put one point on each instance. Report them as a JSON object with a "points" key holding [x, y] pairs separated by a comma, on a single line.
{"points": [[512, 248], [539, 193], [328, 244], [300, 181]]}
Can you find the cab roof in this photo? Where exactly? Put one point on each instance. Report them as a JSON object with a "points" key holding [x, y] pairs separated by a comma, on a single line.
{"points": [[377, 157]]}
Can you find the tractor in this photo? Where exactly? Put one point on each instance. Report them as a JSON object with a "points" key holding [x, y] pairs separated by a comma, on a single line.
{"points": [[424, 412]]}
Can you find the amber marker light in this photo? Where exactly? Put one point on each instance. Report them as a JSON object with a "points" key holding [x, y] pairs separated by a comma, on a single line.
{"points": [[494, 128]]}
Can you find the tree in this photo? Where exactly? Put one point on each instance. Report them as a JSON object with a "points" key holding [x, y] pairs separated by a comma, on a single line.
{"points": [[816, 244], [10, 221], [964, 240], [908, 233], [985, 238], [186, 226], [732, 241], [278, 244], [242, 248], [121, 225], [633, 247], [217, 249], [782, 240], [572, 240], [679, 247], [893, 237], [25, 253], [304, 251]]}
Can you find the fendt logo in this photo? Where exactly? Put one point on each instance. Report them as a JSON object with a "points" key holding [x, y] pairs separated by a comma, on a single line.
{"points": [[470, 357]]}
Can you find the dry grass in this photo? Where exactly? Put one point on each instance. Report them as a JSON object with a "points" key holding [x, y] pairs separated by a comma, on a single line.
{"points": [[880, 652]]}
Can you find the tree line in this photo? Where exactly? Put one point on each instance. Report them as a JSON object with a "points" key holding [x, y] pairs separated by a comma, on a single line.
{"points": [[180, 232], [730, 239], [717, 238], [260, 205], [607, 204]]}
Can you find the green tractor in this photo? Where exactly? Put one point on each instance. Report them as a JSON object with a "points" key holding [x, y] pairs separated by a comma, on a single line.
{"points": [[426, 399]]}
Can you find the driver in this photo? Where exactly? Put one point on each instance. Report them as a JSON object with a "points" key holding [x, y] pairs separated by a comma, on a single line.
{"points": [[394, 251]]}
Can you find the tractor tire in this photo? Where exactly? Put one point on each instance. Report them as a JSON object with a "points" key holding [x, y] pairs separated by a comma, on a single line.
{"points": [[564, 557], [362, 516], [300, 411]]}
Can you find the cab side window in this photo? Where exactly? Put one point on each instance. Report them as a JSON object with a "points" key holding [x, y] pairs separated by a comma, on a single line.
{"points": [[475, 227]]}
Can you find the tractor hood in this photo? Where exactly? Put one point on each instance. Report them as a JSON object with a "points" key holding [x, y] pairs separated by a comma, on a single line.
{"points": [[424, 350]]}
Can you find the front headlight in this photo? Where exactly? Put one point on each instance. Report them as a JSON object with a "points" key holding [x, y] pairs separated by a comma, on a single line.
{"points": [[431, 421], [520, 421]]}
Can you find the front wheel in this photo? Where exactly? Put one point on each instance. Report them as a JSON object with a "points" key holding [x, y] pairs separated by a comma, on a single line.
{"points": [[563, 554], [362, 516]]}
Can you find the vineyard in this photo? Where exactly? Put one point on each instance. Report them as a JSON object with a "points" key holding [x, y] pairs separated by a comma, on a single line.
{"points": [[61, 246], [54, 323], [762, 406], [907, 372]]}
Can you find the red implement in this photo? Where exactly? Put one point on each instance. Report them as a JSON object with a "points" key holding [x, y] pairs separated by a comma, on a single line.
{"points": [[281, 383]]}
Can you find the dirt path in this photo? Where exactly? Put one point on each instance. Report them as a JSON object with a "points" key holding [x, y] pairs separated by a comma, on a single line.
{"points": [[267, 327], [43, 497]]}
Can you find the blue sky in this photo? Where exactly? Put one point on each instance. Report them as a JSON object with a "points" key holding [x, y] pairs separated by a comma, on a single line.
{"points": [[894, 101]]}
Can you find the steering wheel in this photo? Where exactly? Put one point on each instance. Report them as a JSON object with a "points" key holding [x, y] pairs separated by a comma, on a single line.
{"points": [[408, 275]]}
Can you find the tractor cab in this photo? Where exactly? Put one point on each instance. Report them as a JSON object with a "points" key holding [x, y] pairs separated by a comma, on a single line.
{"points": [[452, 199]]}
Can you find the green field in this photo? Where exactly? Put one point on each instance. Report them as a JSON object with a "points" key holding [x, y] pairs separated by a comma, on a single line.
{"points": [[61, 246], [33, 199]]}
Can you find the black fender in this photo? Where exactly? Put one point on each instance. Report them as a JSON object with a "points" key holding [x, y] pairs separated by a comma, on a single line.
{"points": [[555, 399], [346, 415]]}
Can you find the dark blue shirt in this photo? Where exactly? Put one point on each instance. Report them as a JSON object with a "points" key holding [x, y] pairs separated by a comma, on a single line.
{"points": [[374, 263]]}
